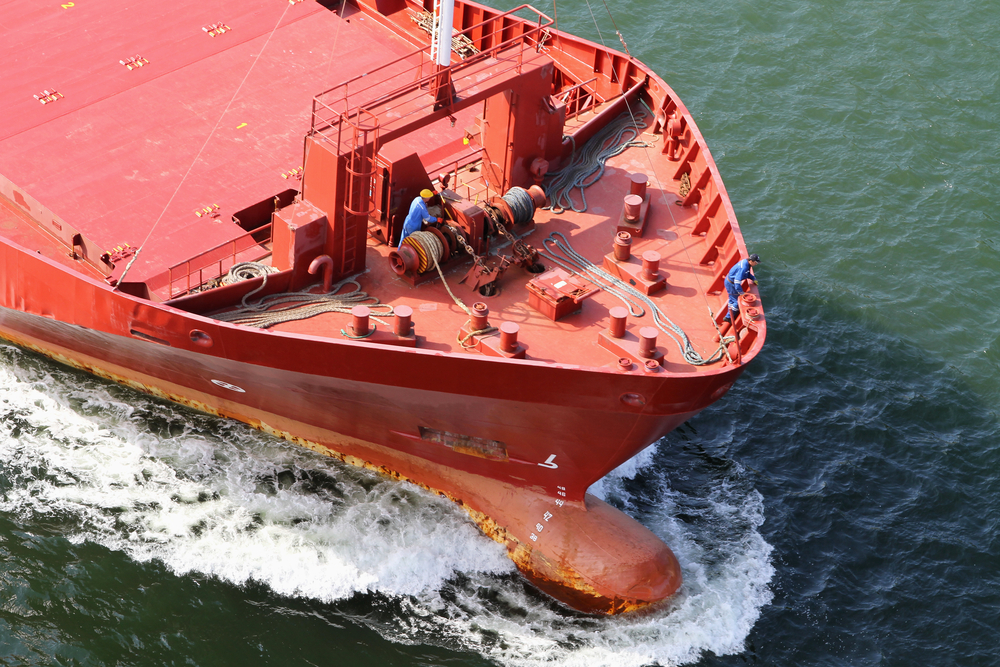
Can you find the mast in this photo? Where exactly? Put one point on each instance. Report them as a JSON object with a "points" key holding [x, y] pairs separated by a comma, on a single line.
{"points": [[444, 19]]}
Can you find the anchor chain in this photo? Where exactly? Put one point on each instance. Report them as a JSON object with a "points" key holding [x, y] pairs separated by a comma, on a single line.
{"points": [[525, 251], [478, 259]]}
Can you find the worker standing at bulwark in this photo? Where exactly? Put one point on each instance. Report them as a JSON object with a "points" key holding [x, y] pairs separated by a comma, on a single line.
{"points": [[418, 215], [734, 283]]}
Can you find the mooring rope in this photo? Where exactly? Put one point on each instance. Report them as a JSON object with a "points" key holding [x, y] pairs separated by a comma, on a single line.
{"points": [[280, 308], [427, 246], [577, 264], [587, 165], [462, 341], [247, 271]]}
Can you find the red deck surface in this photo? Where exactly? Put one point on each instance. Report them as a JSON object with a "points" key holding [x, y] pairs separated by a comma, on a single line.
{"points": [[125, 155], [209, 120]]}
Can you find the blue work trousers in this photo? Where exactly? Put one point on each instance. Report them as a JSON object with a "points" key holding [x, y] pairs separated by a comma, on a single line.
{"points": [[734, 292]]}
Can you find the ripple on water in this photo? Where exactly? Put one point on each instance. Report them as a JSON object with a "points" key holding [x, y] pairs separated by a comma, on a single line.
{"points": [[160, 484]]}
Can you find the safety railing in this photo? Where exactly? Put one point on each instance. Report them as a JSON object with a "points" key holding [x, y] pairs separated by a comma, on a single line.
{"points": [[579, 98], [216, 262], [502, 40]]}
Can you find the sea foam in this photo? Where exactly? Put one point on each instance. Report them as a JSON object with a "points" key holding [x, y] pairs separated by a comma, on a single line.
{"points": [[204, 495]]}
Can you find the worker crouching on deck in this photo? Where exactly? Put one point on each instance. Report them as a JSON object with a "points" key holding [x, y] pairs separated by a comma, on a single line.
{"points": [[734, 283], [418, 215]]}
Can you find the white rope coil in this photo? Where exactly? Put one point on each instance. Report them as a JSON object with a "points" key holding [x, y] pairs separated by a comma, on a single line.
{"points": [[428, 247]]}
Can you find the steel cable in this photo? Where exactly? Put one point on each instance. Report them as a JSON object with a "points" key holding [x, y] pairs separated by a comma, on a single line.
{"points": [[521, 204]]}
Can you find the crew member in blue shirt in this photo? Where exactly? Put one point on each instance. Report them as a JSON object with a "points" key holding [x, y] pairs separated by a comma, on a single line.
{"points": [[734, 280], [418, 215]]}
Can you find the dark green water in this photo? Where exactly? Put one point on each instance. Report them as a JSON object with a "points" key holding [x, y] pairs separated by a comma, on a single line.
{"points": [[838, 507]]}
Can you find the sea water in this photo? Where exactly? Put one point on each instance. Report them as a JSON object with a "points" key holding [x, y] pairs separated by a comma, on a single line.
{"points": [[838, 507], [86, 464]]}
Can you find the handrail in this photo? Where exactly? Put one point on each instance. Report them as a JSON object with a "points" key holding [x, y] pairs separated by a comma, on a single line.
{"points": [[369, 75], [231, 255], [496, 25], [571, 98]]}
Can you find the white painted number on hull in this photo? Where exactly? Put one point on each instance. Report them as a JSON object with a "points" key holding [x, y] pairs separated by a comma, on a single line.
{"points": [[539, 527], [230, 387], [550, 462]]}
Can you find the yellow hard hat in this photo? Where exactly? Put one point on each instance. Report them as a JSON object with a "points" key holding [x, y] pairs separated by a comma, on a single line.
{"points": [[426, 194]]}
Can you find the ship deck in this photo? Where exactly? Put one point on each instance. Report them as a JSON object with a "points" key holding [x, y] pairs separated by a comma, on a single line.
{"points": [[163, 155]]}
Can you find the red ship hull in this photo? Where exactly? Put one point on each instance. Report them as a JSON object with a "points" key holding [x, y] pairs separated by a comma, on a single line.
{"points": [[515, 441]]}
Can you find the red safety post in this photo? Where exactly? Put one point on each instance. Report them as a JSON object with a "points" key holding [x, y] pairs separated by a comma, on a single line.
{"points": [[508, 336], [404, 320], [480, 316], [632, 205], [647, 342], [619, 317], [622, 246], [650, 265], [359, 324], [637, 185]]}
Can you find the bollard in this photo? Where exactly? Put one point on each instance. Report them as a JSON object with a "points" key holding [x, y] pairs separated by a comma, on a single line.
{"points": [[632, 205], [647, 342], [637, 186], [359, 315], [650, 265], [508, 337], [619, 317], [622, 246], [404, 320], [480, 316]]}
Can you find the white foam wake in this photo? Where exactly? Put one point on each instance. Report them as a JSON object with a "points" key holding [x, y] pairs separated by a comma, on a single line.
{"points": [[206, 495]]}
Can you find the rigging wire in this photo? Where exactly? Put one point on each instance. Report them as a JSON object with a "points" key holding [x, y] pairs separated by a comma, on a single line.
{"points": [[197, 157]]}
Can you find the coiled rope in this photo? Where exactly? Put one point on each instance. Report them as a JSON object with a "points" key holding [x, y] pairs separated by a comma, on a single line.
{"points": [[521, 204], [247, 271], [427, 246], [587, 165], [572, 261], [279, 308]]}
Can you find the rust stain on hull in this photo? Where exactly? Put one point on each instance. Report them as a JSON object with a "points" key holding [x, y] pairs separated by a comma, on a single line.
{"points": [[553, 577]]}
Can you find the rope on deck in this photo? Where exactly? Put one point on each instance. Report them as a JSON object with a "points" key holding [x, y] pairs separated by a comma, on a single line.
{"points": [[587, 164], [301, 305], [572, 261]]}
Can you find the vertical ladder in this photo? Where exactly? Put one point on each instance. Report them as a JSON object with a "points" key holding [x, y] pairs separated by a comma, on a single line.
{"points": [[360, 168]]}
